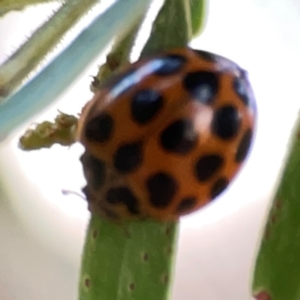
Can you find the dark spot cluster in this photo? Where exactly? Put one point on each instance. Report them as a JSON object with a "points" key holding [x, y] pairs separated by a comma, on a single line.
{"points": [[97, 176], [128, 157], [145, 105], [226, 122], [179, 137], [100, 128], [95, 170], [162, 187], [202, 85], [207, 166]]}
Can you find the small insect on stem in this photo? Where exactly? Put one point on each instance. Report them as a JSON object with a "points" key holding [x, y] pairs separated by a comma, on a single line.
{"points": [[166, 136]]}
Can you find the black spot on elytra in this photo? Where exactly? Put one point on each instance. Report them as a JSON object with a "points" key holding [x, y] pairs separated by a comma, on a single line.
{"points": [[128, 157], [186, 205], [170, 64], [179, 137], [244, 146], [202, 85], [161, 187], [145, 105], [94, 169], [218, 187], [100, 128], [226, 122], [207, 166], [123, 195]]}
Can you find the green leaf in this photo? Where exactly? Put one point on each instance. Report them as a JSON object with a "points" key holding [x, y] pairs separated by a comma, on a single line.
{"points": [[277, 271], [65, 68], [177, 22], [171, 29], [197, 11], [42, 42], [10, 5], [127, 261]]}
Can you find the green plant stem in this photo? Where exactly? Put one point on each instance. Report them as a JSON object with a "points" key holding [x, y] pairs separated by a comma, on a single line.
{"points": [[17, 4], [126, 261], [42, 42], [174, 17], [197, 10], [277, 271], [136, 262], [7, 6], [64, 69]]}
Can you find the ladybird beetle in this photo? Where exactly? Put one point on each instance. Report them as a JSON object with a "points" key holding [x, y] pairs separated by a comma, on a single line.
{"points": [[166, 135]]}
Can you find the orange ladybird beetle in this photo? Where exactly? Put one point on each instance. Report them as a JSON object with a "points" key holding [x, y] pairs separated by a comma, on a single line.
{"points": [[166, 135]]}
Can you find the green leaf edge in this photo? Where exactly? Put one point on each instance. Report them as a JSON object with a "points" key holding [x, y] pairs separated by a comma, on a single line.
{"points": [[62, 71], [162, 35], [277, 270], [7, 6], [198, 12], [128, 260], [29, 55]]}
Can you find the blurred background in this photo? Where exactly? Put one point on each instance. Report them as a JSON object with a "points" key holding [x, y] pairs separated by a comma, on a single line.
{"points": [[42, 231]]}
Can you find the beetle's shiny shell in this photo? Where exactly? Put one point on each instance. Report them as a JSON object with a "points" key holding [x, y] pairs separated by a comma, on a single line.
{"points": [[166, 135]]}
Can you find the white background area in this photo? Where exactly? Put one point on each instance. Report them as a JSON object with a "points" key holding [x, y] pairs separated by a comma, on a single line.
{"points": [[42, 231]]}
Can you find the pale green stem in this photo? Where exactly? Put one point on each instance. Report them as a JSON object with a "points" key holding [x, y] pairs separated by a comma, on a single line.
{"points": [[7, 6], [65, 68], [197, 12], [277, 270], [34, 50], [15, 4], [174, 16], [129, 260]]}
